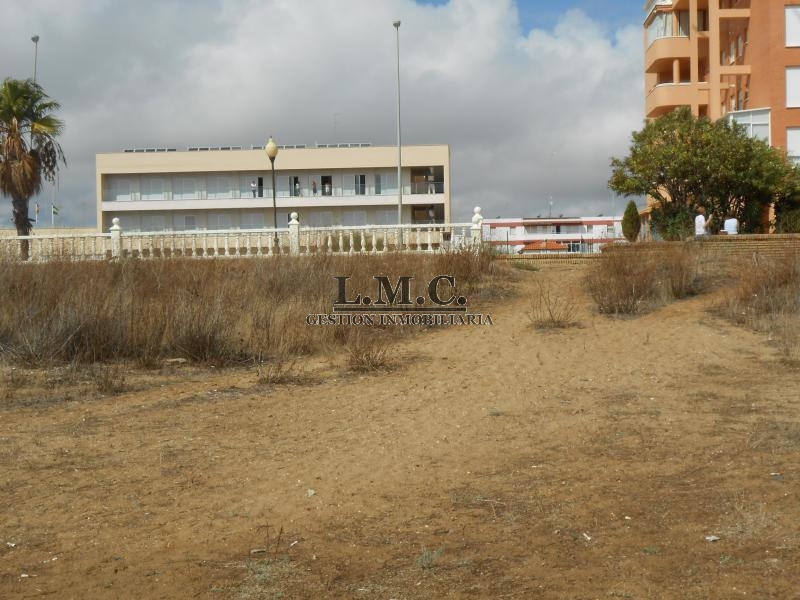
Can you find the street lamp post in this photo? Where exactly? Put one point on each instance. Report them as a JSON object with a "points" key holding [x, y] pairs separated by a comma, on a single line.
{"points": [[272, 152], [399, 151], [35, 40]]}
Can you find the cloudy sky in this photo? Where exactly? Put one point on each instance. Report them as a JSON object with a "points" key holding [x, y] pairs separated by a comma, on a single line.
{"points": [[533, 96]]}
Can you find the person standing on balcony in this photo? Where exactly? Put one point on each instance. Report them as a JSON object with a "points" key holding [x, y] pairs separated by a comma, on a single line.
{"points": [[253, 187], [314, 187], [701, 223]]}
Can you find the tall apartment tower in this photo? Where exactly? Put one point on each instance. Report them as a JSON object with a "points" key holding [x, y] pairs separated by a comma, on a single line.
{"points": [[735, 58]]}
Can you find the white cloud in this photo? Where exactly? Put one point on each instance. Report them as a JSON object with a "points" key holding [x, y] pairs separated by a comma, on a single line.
{"points": [[527, 116]]}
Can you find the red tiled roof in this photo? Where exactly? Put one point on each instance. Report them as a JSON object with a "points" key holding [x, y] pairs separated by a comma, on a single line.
{"points": [[544, 245]]}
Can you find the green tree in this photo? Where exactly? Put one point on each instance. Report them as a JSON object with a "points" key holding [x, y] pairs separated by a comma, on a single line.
{"points": [[684, 162], [29, 150], [631, 222]]}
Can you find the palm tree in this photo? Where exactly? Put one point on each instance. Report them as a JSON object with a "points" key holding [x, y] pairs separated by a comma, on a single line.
{"points": [[29, 152]]}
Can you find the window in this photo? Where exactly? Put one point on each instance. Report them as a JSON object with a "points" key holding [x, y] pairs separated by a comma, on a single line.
{"points": [[153, 188], [354, 218], [284, 185], [120, 190], [320, 218], [683, 23], [793, 143], [756, 122], [385, 216], [187, 188], [220, 221], [360, 185], [660, 27], [252, 220], [185, 222], [377, 184], [220, 187], [153, 222], [297, 187], [327, 185], [793, 87], [793, 25]]}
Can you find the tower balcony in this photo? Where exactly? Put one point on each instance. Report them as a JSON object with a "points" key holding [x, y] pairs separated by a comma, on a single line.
{"points": [[667, 96], [659, 55]]}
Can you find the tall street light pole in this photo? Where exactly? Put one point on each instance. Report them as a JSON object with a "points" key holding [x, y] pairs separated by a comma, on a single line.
{"points": [[272, 152], [399, 151], [35, 40]]}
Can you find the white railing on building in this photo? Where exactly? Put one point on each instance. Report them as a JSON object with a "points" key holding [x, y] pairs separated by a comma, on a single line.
{"points": [[292, 241]]}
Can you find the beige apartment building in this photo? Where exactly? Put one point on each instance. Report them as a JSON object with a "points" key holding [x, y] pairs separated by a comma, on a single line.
{"points": [[735, 58], [212, 188]]}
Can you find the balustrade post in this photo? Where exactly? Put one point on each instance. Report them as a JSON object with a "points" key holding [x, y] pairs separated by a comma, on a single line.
{"points": [[116, 238], [294, 235]]}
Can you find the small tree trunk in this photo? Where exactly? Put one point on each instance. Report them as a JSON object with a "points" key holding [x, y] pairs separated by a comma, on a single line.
{"points": [[22, 224]]}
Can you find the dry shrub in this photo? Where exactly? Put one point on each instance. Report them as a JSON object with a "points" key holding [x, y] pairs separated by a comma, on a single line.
{"points": [[766, 298], [550, 309], [680, 266], [627, 279], [623, 280], [217, 311]]}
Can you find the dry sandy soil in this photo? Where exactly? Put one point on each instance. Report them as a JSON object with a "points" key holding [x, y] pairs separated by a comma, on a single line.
{"points": [[492, 462]]}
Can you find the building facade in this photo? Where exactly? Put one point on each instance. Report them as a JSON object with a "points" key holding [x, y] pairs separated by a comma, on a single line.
{"points": [[735, 58], [552, 235], [162, 189]]}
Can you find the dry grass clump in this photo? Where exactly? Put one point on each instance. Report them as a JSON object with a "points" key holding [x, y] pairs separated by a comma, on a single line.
{"points": [[766, 298], [630, 278], [550, 309], [223, 311], [367, 353]]}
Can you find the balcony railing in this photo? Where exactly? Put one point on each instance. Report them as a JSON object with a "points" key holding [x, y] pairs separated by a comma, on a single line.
{"points": [[416, 188]]}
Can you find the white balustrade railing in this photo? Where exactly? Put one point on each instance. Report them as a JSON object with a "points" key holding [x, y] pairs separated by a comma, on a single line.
{"points": [[295, 241], [43, 248]]}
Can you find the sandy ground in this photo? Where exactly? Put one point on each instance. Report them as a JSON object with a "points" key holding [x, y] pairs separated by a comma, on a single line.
{"points": [[492, 462]]}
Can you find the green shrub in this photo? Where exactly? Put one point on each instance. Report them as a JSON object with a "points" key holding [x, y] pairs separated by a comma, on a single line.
{"points": [[631, 222]]}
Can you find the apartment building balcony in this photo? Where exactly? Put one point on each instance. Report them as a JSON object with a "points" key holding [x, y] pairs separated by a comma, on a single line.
{"points": [[666, 97], [428, 194], [660, 55]]}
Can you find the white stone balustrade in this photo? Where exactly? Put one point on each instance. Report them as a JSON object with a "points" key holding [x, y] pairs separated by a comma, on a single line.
{"points": [[296, 240]]}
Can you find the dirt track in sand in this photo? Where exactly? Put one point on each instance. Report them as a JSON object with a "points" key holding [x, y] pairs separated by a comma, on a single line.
{"points": [[493, 462]]}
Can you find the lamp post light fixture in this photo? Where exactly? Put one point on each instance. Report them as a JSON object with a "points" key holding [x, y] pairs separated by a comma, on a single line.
{"points": [[35, 40], [272, 151], [399, 151]]}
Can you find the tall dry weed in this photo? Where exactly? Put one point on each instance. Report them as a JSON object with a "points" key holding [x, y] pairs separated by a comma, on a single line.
{"points": [[219, 311], [629, 279], [551, 309], [766, 298]]}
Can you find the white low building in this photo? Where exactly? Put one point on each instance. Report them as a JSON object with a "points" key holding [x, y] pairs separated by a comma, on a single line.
{"points": [[552, 235], [214, 188]]}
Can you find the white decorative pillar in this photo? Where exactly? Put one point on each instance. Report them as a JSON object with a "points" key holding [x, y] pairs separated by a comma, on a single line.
{"points": [[294, 235], [116, 238]]}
